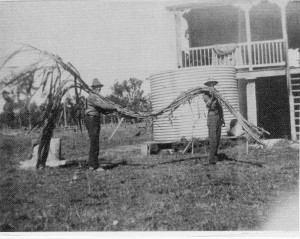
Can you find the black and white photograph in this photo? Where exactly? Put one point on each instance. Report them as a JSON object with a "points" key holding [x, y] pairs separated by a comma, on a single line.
{"points": [[149, 118]]}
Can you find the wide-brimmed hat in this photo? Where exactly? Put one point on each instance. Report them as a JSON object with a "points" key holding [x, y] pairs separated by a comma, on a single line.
{"points": [[211, 83], [96, 83]]}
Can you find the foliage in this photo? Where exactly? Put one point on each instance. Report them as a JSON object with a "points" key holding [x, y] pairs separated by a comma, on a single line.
{"points": [[129, 94], [26, 86], [74, 110], [25, 115], [56, 78]]}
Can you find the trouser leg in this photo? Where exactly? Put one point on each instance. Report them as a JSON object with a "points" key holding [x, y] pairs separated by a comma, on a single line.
{"points": [[214, 137], [93, 127], [219, 128]]}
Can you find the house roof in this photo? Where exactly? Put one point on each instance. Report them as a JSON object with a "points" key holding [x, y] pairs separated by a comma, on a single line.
{"points": [[181, 5]]}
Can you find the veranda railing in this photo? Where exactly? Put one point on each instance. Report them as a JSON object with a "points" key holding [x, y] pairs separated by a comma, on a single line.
{"points": [[261, 54]]}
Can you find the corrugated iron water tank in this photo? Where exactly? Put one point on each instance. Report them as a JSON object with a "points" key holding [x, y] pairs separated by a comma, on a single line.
{"points": [[190, 119]]}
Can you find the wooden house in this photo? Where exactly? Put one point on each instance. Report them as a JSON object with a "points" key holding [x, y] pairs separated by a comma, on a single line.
{"points": [[257, 37]]}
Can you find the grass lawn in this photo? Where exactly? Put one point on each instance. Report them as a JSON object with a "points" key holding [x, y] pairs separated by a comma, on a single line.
{"points": [[161, 192]]}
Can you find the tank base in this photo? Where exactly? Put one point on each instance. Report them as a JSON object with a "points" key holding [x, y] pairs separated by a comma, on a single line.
{"points": [[154, 147]]}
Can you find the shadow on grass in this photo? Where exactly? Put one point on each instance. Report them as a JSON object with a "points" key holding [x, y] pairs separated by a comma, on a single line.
{"points": [[168, 162], [110, 166], [224, 157], [84, 165], [221, 157]]}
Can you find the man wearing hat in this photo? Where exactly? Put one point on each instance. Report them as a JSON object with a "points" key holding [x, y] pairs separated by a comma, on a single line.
{"points": [[215, 121], [94, 107]]}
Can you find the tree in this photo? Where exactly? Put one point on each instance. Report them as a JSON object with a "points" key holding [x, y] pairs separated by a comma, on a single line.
{"points": [[74, 111], [26, 89], [129, 94]]}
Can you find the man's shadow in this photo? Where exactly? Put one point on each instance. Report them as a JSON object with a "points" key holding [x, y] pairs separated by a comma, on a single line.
{"points": [[83, 164], [112, 165], [224, 157]]}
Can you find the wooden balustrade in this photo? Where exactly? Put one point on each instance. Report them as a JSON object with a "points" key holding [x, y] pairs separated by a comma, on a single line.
{"points": [[263, 54]]}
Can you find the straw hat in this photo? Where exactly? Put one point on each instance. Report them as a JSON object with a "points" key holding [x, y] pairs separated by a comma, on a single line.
{"points": [[211, 83], [96, 83]]}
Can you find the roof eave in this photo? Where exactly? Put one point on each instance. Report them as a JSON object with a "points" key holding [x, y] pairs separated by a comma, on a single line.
{"points": [[207, 3], [199, 4]]}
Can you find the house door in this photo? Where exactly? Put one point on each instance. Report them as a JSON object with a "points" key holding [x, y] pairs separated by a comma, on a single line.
{"points": [[273, 106]]}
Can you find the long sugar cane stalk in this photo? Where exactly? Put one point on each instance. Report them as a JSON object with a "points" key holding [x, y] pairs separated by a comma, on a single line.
{"points": [[49, 63]]}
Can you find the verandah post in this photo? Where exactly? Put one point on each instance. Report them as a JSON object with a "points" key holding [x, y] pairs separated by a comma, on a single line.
{"points": [[178, 38], [287, 69], [246, 8]]}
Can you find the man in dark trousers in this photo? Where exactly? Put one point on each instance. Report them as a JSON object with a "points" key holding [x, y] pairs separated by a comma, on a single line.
{"points": [[95, 106], [215, 120]]}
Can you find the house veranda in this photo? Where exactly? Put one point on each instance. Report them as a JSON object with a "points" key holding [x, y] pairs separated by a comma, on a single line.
{"points": [[261, 39]]}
